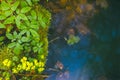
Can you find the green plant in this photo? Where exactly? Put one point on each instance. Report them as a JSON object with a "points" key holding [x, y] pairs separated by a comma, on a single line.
{"points": [[23, 28], [72, 39]]}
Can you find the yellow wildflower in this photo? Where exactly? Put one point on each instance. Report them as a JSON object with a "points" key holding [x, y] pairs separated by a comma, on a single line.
{"points": [[7, 63], [14, 70], [42, 56], [1, 78], [33, 68], [40, 69]]}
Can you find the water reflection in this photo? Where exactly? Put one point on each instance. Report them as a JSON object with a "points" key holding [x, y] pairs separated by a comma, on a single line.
{"points": [[95, 56]]}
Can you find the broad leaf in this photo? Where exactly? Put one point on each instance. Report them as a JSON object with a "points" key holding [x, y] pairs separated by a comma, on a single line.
{"points": [[9, 20], [25, 39], [15, 5], [2, 25], [25, 9]]}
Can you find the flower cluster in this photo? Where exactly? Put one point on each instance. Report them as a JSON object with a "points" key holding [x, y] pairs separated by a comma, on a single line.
{"points": [[7, 63], [29, 66]]}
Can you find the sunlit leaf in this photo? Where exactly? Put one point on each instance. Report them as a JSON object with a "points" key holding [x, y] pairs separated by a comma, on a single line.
{"points": [[22, 16], [29, 2], [11, 45], [2, 17], [2, 25], [33, 14], [9, 20], [4, 5], [25, 9], [8, 13], [17, 49], [15, 5], [9, 35]]}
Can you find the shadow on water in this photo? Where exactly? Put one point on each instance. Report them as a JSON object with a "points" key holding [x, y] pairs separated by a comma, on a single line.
{"points": [[96, 55]]}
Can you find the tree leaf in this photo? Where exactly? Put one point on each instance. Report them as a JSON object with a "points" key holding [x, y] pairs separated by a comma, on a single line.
{"points": [[15, 5], [2, 38], [9, 20], [4, 5], [9, 35], [2, 25], [25, 9]]}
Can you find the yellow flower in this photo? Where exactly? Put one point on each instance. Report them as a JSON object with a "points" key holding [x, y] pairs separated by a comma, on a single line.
{"points": [[33, 68], [7, 78], [24, 59], [42, 56], [14, 70], [41, 64], [1, 78], [40, 69], [24, 66], [35, 62], [7, 63]]}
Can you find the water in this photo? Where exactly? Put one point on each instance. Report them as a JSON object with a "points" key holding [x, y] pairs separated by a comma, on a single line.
{"points": [[96, 56]]}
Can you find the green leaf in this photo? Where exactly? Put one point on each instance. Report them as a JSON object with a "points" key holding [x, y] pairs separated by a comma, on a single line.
{"points": [[9, 20], [34, 33], [35, 49], [22, 16], [17, 21], [2, 38], [2, 25], [25, 9], [9, 35], [15, 58], [8, 13], [17, 49], [15, 5], [4, 5], [43, 24], [29, 2], [33, 14], [2, 17], [25, 39], [11, 45]]}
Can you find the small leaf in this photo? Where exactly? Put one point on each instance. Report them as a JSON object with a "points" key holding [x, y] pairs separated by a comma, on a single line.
{"points": [[11, 45], [25, 9], [17, 21], [2, 38], [15, 58], [4, 5], [22, 16], [29, 2], [9, 20], [25, 39], [15, 5], [35, 49], [17, 49], [2, 25], [9, 35], [2, 17], [8, 13], [33, 14], [34, 33]]}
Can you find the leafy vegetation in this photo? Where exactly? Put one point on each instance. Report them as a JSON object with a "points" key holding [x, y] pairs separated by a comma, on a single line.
{"points": [[23, 30]]}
